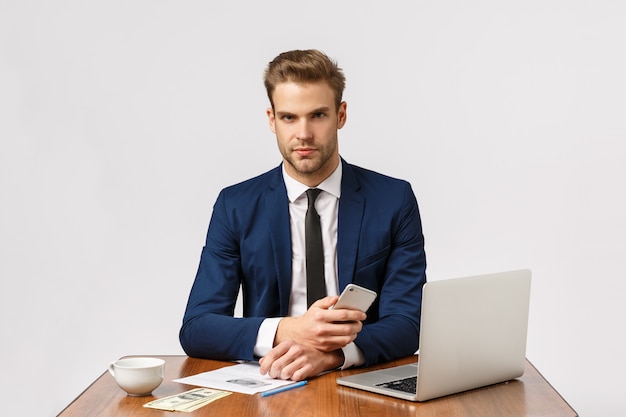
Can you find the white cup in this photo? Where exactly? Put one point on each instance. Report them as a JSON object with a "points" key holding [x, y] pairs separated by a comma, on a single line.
{"points": [[138, 376]]}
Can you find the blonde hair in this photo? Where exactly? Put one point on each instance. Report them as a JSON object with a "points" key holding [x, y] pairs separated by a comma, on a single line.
{"points": [[304, 66]]}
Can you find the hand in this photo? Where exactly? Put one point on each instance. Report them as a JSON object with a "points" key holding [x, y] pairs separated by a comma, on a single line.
{"points": [[323, 329], [295, 361]]}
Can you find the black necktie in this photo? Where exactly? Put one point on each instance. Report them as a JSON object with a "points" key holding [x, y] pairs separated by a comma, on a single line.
{"points": [[315, 283]]}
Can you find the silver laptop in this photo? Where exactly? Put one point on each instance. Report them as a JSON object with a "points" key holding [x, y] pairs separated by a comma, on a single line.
{"points": [[473, 334]]}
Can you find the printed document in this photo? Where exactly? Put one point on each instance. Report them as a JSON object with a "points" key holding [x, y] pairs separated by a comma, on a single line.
{"points": [[244, 378]]}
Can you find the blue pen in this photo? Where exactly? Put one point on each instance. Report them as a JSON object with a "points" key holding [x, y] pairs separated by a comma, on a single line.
{"points": [[285, 388]]}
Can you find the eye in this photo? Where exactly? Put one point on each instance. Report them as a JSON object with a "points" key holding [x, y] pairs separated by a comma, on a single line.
{"points": [[319, 115], [287, 117]]}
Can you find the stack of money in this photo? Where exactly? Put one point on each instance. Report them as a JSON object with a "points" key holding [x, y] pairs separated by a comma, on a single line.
{"points": [[187, 401]]}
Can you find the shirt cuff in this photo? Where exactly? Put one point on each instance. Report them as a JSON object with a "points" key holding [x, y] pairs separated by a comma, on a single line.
{"points": [[266, 335], [353, 356]]}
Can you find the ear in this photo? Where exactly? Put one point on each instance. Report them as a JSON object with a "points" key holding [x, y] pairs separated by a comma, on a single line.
{"points": [[342, 114], [271, 118]]}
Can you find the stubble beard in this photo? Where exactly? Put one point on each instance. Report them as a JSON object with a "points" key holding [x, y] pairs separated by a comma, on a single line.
{"points": [[308, 166]]}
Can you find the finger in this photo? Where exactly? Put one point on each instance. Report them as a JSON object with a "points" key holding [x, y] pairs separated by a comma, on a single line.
{"points": [[302, 373], [284, 369], [296, 364], [276, 353], [297, 371], [284, 366], [342, 328], [346, 315]]}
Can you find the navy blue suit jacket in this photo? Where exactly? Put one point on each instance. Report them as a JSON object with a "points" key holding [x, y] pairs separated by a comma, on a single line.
{"points": [[379, 246]]}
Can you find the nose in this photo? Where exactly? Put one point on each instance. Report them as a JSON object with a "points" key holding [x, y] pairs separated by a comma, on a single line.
{"points": [[304, 130]]}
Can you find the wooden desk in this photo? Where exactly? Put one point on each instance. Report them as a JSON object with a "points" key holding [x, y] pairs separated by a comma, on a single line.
{"points": [[530, 395]]}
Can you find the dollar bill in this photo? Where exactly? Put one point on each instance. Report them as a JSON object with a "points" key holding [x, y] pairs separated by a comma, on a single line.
{"points": [[187, 401]]}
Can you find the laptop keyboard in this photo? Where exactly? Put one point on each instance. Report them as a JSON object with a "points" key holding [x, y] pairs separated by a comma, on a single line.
{"points": [[405, 385]]}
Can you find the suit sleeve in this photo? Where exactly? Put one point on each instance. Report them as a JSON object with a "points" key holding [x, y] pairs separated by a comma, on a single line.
{"points": [[395, 332], [209, 329]]}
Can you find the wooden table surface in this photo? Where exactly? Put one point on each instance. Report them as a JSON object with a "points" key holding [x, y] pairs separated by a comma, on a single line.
{"points": [[529, 395]]}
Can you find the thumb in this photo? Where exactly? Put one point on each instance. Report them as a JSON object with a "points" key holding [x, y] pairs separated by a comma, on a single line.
{"points": [[325, 302]]}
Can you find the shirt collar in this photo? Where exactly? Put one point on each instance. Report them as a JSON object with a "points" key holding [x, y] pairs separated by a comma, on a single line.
{"points": [[331, 185]]}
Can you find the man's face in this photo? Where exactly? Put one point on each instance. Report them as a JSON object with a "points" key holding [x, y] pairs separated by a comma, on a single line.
{"points": [[305, 121]]}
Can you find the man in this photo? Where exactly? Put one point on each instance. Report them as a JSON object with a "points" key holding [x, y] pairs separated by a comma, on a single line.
{"points": [[371, 236]]}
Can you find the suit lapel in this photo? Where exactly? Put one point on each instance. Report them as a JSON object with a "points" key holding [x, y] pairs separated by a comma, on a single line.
{"points": [[277, 208], [351, 207]]}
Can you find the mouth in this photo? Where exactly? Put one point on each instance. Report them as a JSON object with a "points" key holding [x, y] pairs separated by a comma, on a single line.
{"points": [[304, 152]]}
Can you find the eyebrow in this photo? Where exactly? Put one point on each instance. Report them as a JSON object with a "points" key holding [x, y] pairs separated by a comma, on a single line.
{"points": [[323, 109]]}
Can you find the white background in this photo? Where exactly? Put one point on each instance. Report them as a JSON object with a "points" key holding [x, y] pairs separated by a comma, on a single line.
{"points": [[120, 121]]}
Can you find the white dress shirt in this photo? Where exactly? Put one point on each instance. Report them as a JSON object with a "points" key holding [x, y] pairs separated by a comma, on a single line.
{"points": [[327, 206]]}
